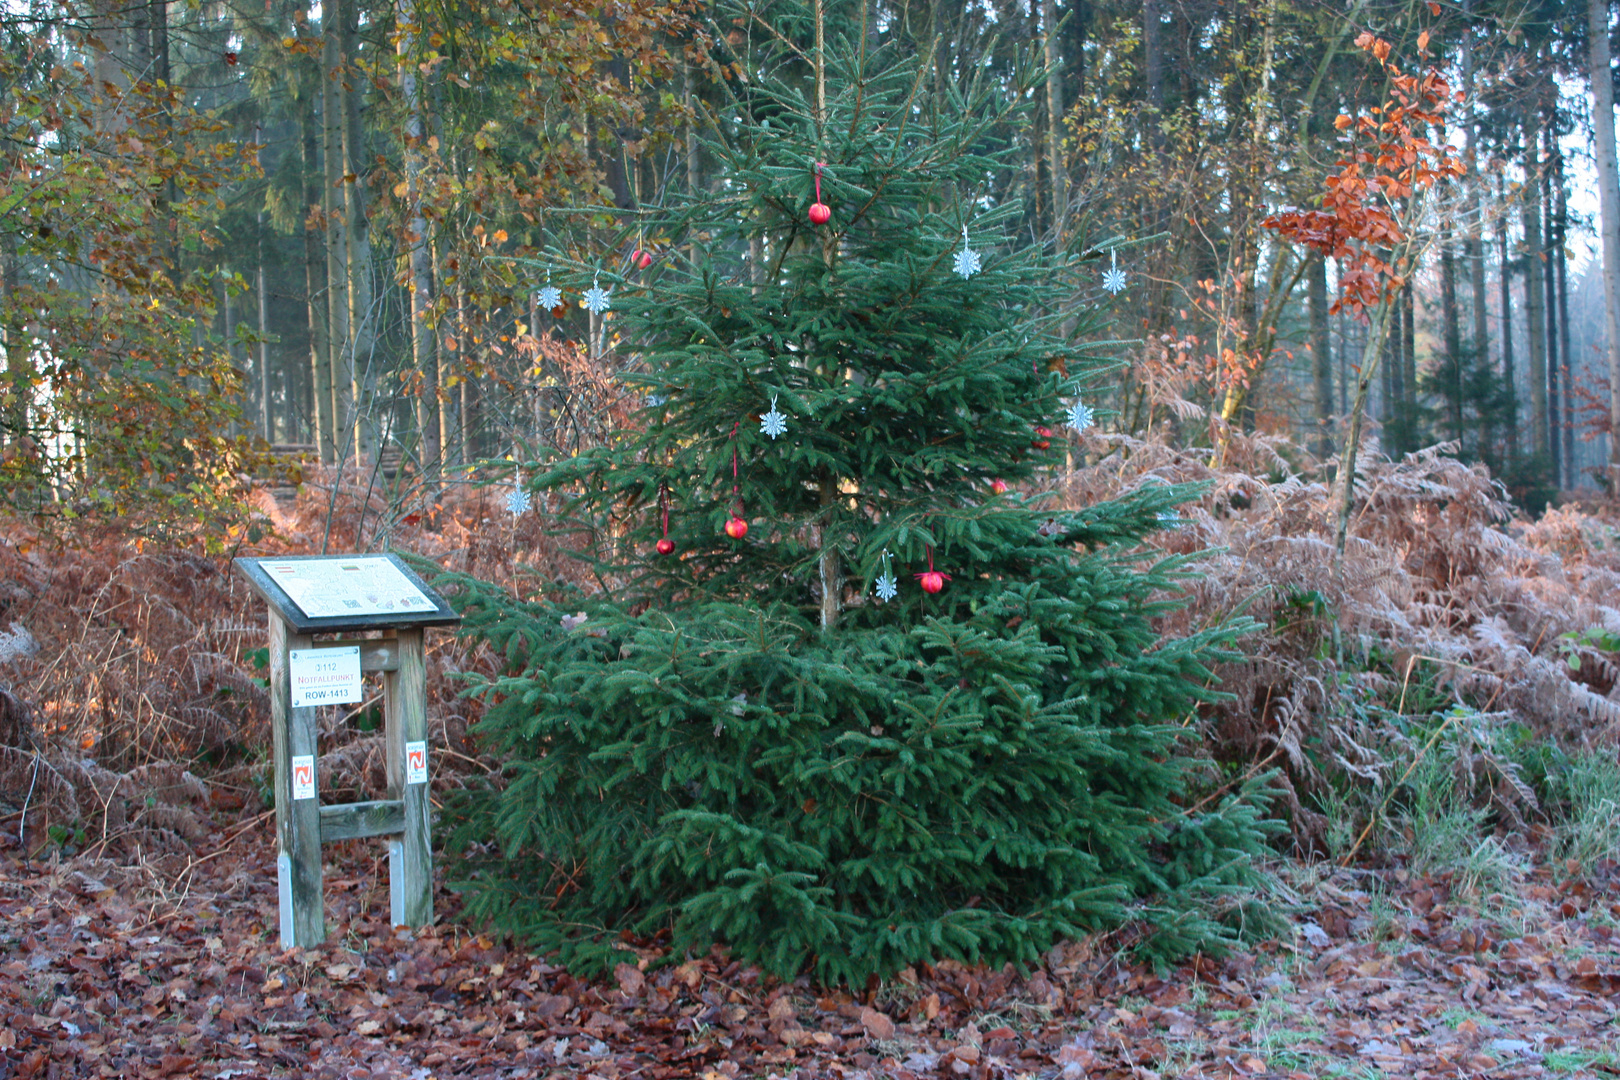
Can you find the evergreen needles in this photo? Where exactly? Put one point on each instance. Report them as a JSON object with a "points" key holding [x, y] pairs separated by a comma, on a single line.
{"points": [[738, 743]]}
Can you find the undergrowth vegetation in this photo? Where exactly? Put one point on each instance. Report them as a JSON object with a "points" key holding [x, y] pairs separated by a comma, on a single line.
{"points": [[1447, 703]]}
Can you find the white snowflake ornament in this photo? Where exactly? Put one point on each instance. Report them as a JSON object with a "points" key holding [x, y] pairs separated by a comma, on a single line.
{"points": [[773, 423], [598, 299], [1113, 278], [1081, 418], [517, 501], [967, 260], [550, 296], [887, 589]]}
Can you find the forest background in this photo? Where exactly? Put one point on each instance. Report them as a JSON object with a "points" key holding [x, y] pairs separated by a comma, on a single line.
{"points": [[270, 281], [226, 228]]}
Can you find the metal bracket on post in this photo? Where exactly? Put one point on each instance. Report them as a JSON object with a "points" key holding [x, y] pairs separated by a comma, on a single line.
{"points": [[320, 595]]}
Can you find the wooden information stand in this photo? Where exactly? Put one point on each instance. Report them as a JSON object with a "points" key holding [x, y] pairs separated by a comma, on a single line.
{"points": [[335, 595]]}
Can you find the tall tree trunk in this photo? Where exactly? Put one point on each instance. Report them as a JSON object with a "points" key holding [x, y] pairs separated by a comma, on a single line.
{"points": [[1534, 301], [18, 390], [1561, 261], [1321, 352], [1408, 347], [267, 420], [1453, 334], [321, 421], [1153, 67], [1504, 282], [422, 350], [1555, 442], [1609, 206], [357, 238], [1475, 244], [337, 248], [1054, 120]]}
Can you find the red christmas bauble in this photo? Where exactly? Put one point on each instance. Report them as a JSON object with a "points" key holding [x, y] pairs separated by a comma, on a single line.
{"points": [[1044, 432], [560, 311], [1041, 444], [736, 528], [641, 259], [1043, 438], [820, 213], [998, 486], [666, 546], [932, 581]]}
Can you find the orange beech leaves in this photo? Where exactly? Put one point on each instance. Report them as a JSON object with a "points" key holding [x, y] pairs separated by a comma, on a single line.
{"points": [[1360, 222]]}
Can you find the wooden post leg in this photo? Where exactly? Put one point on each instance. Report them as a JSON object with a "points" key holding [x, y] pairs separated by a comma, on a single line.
{"points": [[410, 860], [298, 820]]}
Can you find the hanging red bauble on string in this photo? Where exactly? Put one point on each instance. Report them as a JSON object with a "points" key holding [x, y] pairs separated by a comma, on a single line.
{"points": [[640, 259], [932, 580], [998, 486], [736, 528], [665, 545], [1043, 438], [820, 212]]}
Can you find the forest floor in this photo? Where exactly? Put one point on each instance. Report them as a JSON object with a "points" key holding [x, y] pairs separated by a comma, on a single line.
{"points": [[169, 965]]}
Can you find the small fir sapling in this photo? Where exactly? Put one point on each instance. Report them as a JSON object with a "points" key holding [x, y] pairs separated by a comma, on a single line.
{"points": [[740, 741]]}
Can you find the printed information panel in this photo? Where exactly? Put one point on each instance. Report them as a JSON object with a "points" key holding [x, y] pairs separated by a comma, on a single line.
{"points": [[329, 676], [363, 585]]}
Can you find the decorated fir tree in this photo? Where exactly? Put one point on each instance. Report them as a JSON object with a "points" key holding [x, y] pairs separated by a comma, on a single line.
{"points": [[849, 701]]}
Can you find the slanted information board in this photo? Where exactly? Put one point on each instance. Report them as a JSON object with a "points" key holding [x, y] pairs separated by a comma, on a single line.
{"points": [[320, 596]]}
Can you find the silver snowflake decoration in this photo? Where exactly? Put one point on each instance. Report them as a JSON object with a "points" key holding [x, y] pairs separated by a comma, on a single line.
{"points": [[1114, 278], [1081, 418], [967, 260], [549, 297], [517, 500], [598, 299], [773, 423], [887, 589]]}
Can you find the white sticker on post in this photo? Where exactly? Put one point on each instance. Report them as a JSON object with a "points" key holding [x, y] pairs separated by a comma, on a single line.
{"points": [[303, 777], [329, 676], [416, 763]]}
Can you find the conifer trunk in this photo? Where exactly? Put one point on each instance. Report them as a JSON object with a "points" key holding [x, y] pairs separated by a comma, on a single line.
{"points": [[357, 239], [320, 354], [1453, 336], [1475, 243], [1054, 119], [1555, 443], [1561, 263], [1504, 283], [422, 349], [266, 413], [1608, 170], [337, 269], [1535, 313]]}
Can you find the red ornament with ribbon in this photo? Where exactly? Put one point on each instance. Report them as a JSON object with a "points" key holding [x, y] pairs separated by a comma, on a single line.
{"points": [[665, 545], [736, 525], [820, 212], [931, 580]]}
